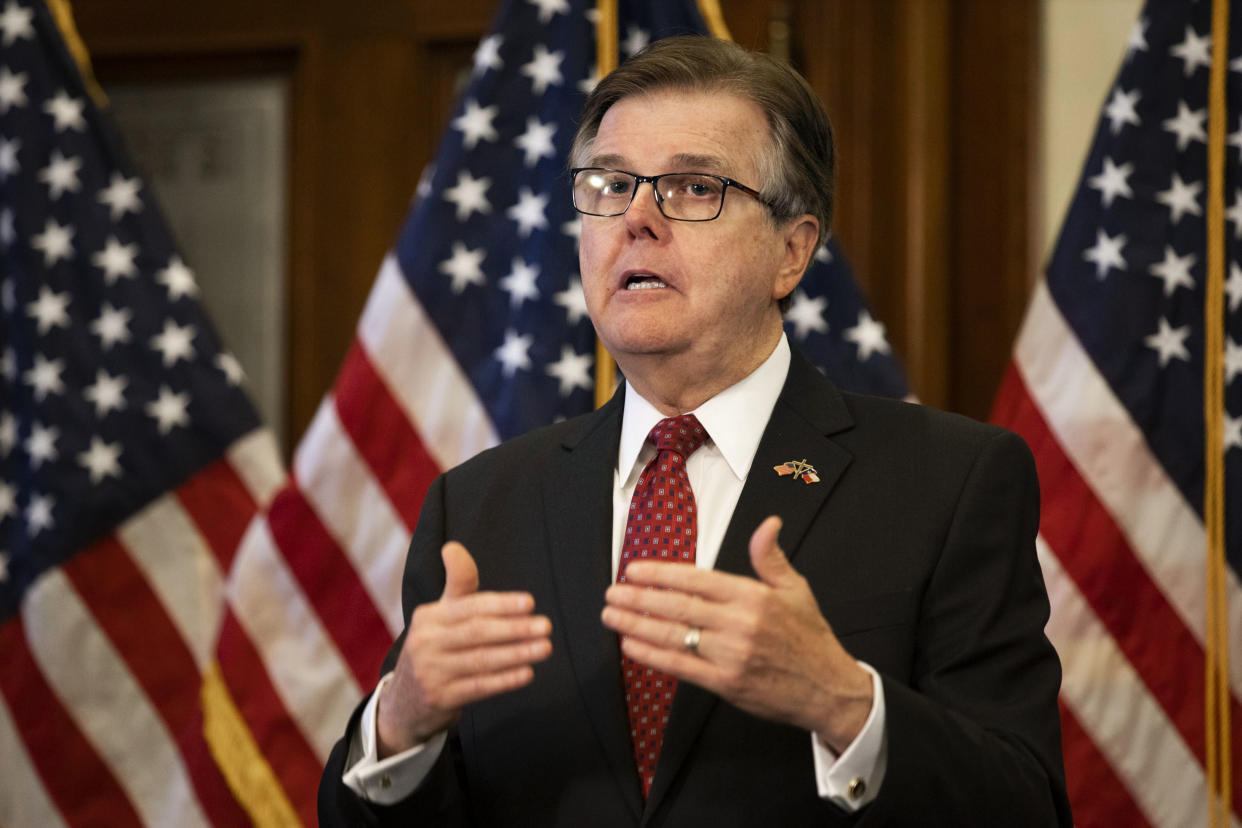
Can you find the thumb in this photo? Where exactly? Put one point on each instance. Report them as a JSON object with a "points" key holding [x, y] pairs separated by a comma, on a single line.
{"points": [[461, 576], [770, 563]]}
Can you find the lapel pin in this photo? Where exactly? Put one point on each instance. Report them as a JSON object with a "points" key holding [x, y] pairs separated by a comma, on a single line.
{"points": [[799, 468]]}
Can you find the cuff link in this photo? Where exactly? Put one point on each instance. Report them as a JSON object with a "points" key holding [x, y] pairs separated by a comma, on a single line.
{"points": [[856, 788]]}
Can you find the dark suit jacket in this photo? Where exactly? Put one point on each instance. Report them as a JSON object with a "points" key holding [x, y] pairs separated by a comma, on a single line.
{"points": [[919, 545]]}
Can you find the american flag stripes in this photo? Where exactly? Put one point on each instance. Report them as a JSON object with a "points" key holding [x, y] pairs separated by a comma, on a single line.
{"points": [[131, 461], [1106, 385], [475, 331]]}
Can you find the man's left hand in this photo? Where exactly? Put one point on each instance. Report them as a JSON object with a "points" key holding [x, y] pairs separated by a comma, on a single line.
{"points": [[763, 644]]}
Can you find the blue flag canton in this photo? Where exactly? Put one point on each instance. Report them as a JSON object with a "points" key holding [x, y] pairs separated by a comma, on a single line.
{"points": [[1129, 268], [491, 248], [113, 383]]}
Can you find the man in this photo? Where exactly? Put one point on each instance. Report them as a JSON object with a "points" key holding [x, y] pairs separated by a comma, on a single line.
{"points": [[860, 637]]}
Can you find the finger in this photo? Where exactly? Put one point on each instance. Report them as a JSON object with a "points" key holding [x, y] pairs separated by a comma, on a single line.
{"points": [[480, 661], [675, 662], [477, 687], [482, 603], [668, 604], [658, 632], [770, 563], [487, 630], [708, 584], [461, 576]]}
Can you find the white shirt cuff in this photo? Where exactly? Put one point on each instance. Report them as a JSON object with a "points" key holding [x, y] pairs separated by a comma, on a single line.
{"points": [[853, 779], [386, 781]]}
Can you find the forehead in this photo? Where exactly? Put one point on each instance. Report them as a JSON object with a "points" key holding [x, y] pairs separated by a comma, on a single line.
{"points": [[676, 130]]}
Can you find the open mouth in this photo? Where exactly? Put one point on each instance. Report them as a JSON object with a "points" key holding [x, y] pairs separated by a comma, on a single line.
{"points": [[644, 281]]}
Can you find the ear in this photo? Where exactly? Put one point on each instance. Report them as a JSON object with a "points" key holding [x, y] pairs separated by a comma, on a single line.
{"points": [[801, 235]]}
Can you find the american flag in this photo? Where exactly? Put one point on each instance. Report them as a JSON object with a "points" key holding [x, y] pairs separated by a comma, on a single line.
{"points": [[475, 331], [1107, 387], [130, 461]]}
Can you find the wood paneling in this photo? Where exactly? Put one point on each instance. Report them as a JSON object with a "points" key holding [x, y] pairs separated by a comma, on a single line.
{"points": [[931, 100]]}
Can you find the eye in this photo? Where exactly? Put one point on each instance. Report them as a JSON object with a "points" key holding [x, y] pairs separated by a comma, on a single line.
{"points": [[613, 184]]}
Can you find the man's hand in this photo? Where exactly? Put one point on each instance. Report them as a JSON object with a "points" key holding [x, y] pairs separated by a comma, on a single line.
{"points": [[763, 645], [467, 646]]}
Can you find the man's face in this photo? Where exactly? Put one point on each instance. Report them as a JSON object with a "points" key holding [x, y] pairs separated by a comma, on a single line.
{"points": [[663, 288]]}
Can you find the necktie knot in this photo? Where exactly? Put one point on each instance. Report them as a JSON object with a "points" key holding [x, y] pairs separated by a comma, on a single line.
{"points": [[682, 434]]}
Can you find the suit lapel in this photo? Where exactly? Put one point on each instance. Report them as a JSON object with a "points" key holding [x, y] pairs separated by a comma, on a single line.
{"points": [[578, 514], [808, 410]]}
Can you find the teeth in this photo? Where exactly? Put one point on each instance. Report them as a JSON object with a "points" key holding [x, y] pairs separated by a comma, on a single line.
{"points": [[644, 282]]}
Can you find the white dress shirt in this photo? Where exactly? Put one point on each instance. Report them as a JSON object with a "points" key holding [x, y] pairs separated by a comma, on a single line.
{"points": [[734, 420]]}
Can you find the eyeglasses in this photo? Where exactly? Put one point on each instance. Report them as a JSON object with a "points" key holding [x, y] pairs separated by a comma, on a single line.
{"points": [[680, 196]]}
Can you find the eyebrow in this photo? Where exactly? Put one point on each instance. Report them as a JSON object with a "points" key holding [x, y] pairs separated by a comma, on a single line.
{"points": [[681, 162]]}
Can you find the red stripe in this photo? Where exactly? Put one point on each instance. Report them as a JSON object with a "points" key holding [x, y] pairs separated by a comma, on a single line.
{"points": [[330, 584], [75, 777], [383, 434], [1096, 555], [221, 506], [284, 746], [131, 615], [1098, 797]]}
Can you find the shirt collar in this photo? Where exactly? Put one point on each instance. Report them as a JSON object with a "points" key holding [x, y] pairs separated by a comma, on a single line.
{"points": [[735, 418]]}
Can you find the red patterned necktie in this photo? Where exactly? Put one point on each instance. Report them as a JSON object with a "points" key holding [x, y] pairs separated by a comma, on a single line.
{"points": [[661, 526]]}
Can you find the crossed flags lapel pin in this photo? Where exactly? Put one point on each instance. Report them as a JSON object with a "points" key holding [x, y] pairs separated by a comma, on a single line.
{"points": [[800, 469]]}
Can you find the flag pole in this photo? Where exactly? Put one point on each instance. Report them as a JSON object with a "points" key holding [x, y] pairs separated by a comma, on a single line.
{"points": [[1218, 730]]}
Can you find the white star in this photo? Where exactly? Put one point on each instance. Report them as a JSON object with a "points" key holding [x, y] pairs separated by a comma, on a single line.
{"points": [[56, 242], [44, 377], [573, 301], [116, 260], [112, 325], [1194, 51], [536, 141], [66, 112], [121, 195], [101, 459], [520, 283], [61, 175], [233, 373], [822, 253], [41, 444], [12, 89], [107, 393], [8, 365], [6, 228], [1112, 181], [587, 85], [868, 335], [528, 212], [548, 8], [573, 228], [8, 433], [469, 194], [169, 409], [16, 22], [174, 342], [1169, 342], [49, 310], [514, 354], [1233, 360], [1234, 214], [475, 124], [1120, 110], [572, 370], [544, 69], [1233, 432], [465, 267], [635, 40], [1106, 253], [39, 514], [487, 55], [1180, 198], [8, 157], [1188, 125], [1137, 41], [1174, 270], [1235, 138], [8, 505], [1233, 287], [807, 314], [178, 278]]}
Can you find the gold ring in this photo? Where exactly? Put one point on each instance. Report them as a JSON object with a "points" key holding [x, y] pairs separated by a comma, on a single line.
{"points": [[691, 641]]}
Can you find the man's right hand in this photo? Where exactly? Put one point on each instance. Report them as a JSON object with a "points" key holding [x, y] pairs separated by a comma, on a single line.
{"points": [[467, 646]]}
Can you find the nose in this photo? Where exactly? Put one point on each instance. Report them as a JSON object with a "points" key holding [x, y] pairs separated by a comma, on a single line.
{"points": [[643, 216]]}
